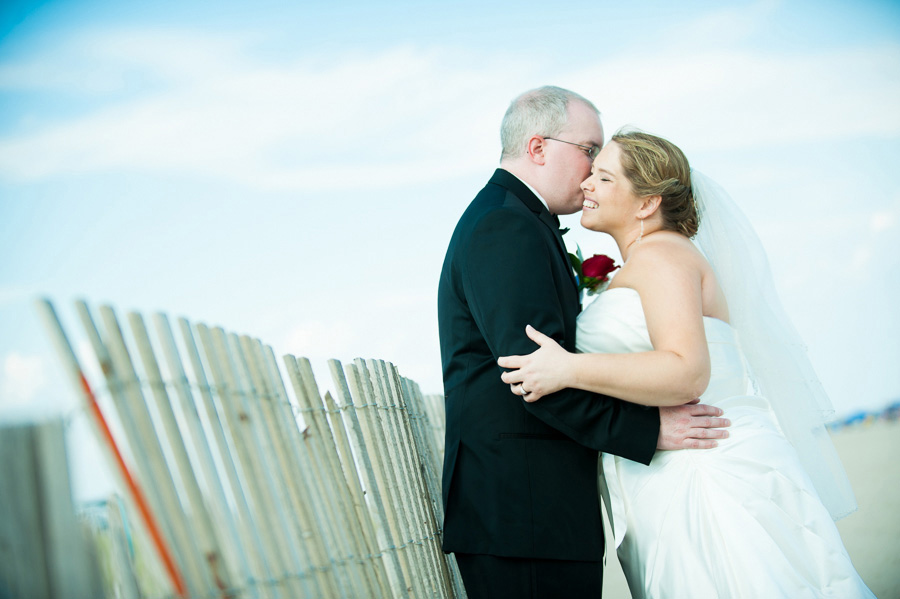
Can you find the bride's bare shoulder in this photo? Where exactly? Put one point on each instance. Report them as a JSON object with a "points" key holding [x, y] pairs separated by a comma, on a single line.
{"points": [[667, 249], [662, 260]]}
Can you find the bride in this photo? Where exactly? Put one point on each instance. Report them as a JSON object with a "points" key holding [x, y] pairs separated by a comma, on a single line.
{"points": [[752, 517]]}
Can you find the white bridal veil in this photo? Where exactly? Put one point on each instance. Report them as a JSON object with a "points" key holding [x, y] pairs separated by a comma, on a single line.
{"points": [[774, 350]]}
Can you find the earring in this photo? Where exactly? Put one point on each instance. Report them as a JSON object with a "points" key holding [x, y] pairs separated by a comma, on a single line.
{"points": [[642, 231]]}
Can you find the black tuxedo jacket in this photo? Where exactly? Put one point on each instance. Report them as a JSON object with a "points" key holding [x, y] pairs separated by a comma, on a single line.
{"points": [[520, 479]]}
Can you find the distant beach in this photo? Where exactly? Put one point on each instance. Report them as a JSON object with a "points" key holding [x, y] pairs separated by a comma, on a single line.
{"points": [[870, 451]]}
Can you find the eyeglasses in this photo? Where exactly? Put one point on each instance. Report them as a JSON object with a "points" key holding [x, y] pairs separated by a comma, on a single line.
{"points": [[591, 151]]}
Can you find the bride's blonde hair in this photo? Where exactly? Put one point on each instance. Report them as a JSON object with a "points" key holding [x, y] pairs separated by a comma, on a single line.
{"points": [[656, 166]]}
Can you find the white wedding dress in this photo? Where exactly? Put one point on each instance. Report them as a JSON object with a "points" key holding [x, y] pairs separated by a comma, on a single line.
{"points": [[740, 520]]}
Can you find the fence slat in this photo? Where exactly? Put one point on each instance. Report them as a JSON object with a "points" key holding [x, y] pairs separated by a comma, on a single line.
{"points": [[44, 551], [125, 390], [430, 535], [279, 553], [312, 507], [204, 533], [395, 491], [431, 563], [236, 558], [325, 467], [377, 515], [260, 493], [287, 472], [399, 463], [373, 444], [249, 540], [149, 522], [367, 550]]}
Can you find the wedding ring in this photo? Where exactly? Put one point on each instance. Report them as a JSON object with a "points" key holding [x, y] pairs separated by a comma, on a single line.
{"points": [[524, 392]]}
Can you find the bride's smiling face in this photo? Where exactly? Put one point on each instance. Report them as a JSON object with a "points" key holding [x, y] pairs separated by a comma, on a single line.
{"points": [[609, 200]]}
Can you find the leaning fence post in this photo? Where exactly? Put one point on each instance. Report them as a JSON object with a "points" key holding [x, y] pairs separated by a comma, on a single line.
{"points": [[391, 458], [149, 519], [376, 515], [237, 556], [327, 469], [44, 552], [368, 551], [204, 532], [397, 452], [150, 456], [277, 547], [248, 529], [425, 528], [271, 445], [385, 486]]}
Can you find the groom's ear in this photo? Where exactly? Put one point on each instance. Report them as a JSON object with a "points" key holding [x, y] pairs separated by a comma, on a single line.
{"points": [[535, 149]]}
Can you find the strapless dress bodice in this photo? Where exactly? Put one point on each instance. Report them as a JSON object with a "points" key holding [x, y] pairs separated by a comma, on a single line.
{"points": [[614, 323]]}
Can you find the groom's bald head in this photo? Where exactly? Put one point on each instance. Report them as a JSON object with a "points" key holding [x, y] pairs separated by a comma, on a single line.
{"points": [[550, 137], [541, 111]]}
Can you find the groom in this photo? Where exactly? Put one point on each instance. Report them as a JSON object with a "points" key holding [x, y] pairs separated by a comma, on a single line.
{"points": [[522, 511]]}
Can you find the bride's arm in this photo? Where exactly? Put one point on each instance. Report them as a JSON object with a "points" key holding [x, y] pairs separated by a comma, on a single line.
{"points": [[677, 371]]}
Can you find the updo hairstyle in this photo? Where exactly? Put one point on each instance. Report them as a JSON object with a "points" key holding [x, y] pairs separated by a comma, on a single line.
{"points": [[656, 166]]}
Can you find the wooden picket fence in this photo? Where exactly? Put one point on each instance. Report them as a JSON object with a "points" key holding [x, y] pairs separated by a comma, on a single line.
{"points": [[237, 488]]}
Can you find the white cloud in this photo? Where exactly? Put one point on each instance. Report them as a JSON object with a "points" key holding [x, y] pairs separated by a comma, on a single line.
{"points": [[208, 108], [727, 25], [294, 126], [736, 98], [94, 62], [705, 87], [23, 377], [883, 221]]}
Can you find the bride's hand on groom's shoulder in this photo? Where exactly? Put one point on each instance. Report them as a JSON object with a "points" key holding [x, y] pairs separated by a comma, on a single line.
{"points": [[540, 373], [691, 426]]}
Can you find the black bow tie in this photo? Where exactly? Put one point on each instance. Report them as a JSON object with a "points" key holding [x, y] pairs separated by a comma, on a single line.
{"points": [[555, 219], [562, 230]]}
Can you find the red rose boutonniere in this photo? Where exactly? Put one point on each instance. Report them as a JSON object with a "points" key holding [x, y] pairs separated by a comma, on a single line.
{"points": [[592, 274]]}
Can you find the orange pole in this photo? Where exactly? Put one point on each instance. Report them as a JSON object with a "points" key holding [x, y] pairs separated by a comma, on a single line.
{"points": [[137, 493]]}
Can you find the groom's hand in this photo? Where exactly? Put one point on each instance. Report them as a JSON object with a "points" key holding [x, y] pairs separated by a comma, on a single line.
{"points": [[691, 426]]}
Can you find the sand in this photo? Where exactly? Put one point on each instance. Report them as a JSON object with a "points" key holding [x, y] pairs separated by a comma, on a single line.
{"points": [[871, 454]]}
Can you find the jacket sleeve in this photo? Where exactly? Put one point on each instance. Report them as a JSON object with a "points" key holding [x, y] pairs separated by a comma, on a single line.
{"points": [[509, 282]]}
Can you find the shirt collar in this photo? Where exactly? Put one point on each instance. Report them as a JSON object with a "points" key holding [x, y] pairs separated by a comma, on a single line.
{"points": [[534, 191]]}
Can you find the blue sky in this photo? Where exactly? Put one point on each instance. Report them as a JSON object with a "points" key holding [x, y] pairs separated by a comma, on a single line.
{"points": [[294, 172]]}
